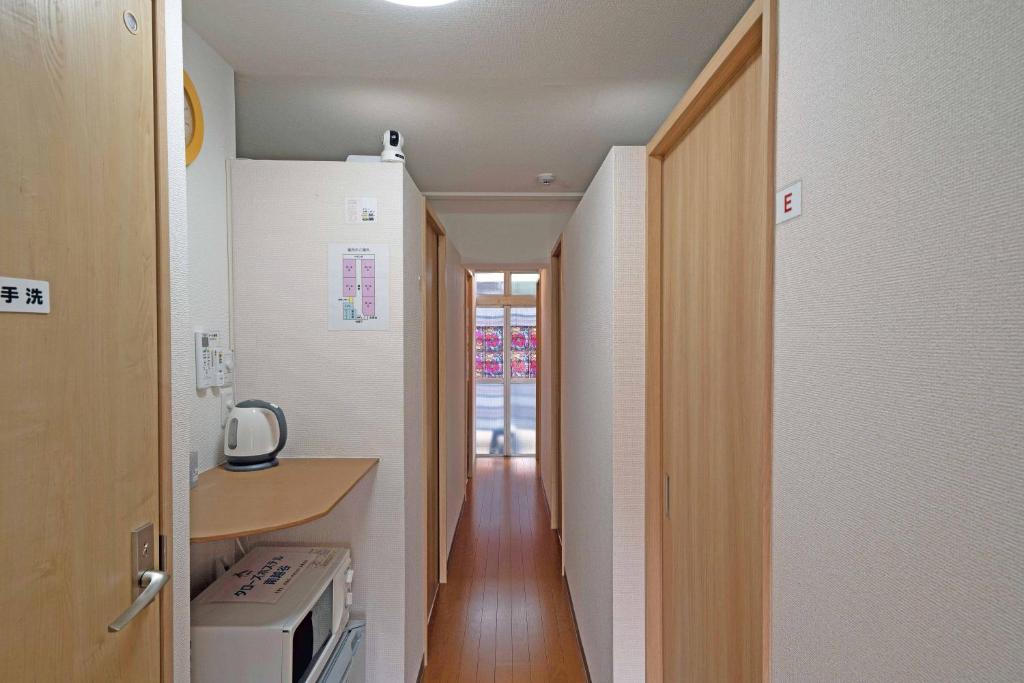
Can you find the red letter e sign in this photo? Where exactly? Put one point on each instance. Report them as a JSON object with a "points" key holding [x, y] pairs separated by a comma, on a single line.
{"points": [[787, 203]]}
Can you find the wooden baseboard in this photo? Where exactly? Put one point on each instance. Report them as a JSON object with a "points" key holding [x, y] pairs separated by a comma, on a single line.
{"points": [[458, 522], [576, 627]]}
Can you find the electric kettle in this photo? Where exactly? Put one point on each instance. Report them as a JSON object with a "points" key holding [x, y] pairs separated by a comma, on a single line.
{"points": [[256, 432]]}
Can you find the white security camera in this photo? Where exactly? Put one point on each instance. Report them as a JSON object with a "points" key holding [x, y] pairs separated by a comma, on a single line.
{"points": [[392, 140]]}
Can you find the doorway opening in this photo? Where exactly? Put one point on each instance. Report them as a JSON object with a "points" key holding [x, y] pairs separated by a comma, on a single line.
{"points": [[505, 357]]}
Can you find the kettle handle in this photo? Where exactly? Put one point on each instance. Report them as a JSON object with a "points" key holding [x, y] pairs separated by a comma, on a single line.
{"points": [[282, 424]]}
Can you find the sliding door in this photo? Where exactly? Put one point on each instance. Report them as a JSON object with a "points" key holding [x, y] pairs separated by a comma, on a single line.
{"points": [[505, 364]]}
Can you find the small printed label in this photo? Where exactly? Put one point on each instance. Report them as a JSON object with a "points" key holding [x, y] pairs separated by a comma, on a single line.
{"points": [[788, 203], [265, 574], [18, 295], [360, 210]]}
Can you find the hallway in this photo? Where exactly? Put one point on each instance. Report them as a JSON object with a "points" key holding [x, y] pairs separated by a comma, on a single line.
{"points": [[504, 614]]}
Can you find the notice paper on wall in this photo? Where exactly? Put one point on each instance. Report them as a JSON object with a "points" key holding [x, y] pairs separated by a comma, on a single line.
{"points": [[357, 286], [359, 210]]}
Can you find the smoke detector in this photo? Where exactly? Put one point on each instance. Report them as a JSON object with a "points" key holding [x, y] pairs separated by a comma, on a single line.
{"points": [[546, 179]]}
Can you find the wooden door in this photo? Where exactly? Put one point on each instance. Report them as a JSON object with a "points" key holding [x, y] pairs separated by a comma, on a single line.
{"points": [[79, 430], [431, 412], [712, 291], [553, 352]]}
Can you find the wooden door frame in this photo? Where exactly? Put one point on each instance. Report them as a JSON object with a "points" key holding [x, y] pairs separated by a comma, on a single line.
{"points": [[556, 254], [755, 34], [163, 308], [433, 223], [555, 361]]}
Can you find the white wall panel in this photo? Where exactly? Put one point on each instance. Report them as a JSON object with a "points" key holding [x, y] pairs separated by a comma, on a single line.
{"points": [[345, 394], [456, 429], [415, 485], [603, 418], [628, 416], [208, 277], [898, 520], [181, 360]]}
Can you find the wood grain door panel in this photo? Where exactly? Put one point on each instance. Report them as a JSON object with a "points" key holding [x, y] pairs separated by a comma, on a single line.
{"points": [[431, 413], [709, 440], [714, 391], [79, 446]]}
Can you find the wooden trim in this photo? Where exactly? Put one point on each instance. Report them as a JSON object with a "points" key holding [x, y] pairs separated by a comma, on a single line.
{"points": [[437, 225], [575, 623], [770, 53], [519, 300], [652, 433], [561, 397], [431, 222], [163, 307], [521, 267], [756, 33], [424, 460], [442, 419], [739, 46], [551, 296]]}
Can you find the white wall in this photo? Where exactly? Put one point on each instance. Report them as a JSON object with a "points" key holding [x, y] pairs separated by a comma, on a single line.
{"points": [[456, 429], [208, 276], [345, 394], [898, 521], [628, 411], [214, 80], [502, 231], [587, 419], [412, 261], [182, 368], [603, 419]]}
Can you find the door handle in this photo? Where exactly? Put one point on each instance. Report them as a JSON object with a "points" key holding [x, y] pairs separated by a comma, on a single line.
{"points": [[151, 582]]}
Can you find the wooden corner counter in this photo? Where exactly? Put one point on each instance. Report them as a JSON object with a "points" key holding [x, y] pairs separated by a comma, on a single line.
{"points": [[299, 490]]}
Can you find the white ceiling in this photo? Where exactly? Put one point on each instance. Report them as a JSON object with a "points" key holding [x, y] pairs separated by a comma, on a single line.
{"points": [[488, 93]]}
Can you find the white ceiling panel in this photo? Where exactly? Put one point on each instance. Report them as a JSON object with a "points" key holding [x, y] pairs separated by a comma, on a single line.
{"points": [[488, 93]]}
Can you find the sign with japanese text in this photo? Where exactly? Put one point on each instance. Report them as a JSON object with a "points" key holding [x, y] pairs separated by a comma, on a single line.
{"points": [[358, 286], [359, 210], [264, 575], [18, 295]]}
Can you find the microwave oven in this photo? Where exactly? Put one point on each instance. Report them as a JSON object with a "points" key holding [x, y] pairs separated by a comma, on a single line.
{"points": [[275, 617]]}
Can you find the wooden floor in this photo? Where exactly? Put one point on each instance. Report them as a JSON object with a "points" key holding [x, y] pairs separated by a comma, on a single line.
{"points": [[504, 614]]}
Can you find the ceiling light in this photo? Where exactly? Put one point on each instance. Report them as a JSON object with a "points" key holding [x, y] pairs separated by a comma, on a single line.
{"points": [[421, 3]]}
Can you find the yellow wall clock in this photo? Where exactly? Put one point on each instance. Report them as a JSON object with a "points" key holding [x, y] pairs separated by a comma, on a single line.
{"points": [[193, 121]]}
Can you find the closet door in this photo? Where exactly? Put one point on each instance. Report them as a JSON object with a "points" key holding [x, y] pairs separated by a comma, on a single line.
{"points": [[711, 188]]}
